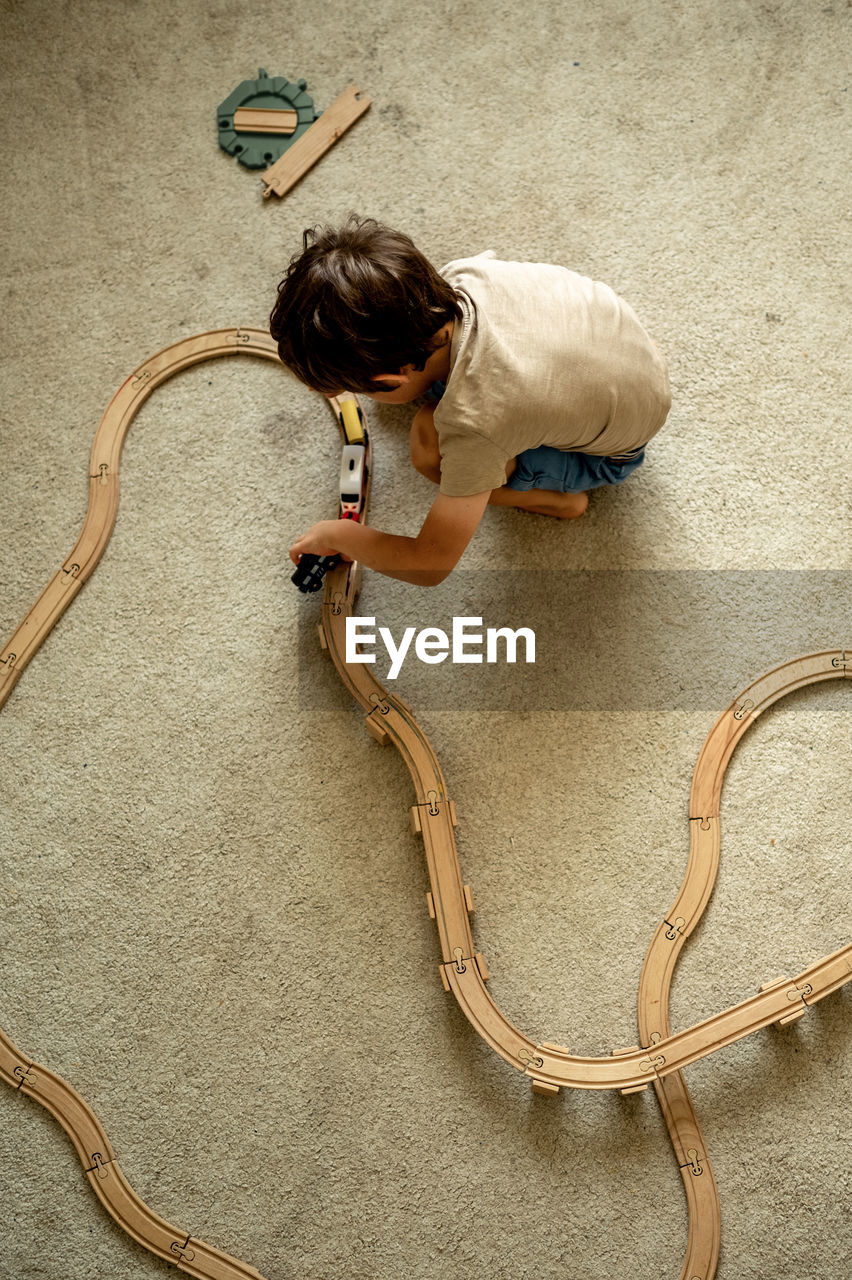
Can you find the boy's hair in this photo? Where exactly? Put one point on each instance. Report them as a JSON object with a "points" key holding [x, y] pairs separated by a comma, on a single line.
{"points": [[356, 303]]}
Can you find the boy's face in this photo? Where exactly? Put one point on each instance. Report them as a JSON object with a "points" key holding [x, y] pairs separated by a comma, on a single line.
{"points": [[399, 388]]}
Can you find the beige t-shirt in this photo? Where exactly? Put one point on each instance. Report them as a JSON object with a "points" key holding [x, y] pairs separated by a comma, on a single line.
{"points": [[542, 356]]}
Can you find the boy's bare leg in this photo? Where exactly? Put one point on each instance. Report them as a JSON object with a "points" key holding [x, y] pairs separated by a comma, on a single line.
{"points": [[543, 502], [426, 458]]}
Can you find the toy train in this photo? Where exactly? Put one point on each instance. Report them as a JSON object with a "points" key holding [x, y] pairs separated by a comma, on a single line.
{"points": [[311, 570], [352, 493]]}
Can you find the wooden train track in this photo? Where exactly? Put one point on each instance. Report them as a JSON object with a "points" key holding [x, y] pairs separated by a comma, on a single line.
{"points": [[661, 1056]]}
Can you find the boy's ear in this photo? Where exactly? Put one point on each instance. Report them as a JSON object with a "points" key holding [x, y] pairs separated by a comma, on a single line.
{"points": [[391, 381]]}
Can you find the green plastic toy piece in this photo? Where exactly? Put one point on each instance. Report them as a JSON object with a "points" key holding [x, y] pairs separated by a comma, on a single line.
{"points": [[259, 150]]}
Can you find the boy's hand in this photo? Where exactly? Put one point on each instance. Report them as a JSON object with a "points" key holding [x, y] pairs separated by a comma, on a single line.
{"points": [[425, 560], [316, 541]]}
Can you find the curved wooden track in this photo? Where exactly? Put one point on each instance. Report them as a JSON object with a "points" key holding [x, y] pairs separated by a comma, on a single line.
{"points": [[660, 1058]]}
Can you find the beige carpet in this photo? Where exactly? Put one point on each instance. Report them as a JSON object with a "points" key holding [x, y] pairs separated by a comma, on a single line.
{"points": [[213, 911]]}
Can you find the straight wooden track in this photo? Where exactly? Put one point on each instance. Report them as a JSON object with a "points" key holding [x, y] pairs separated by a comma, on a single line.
{"points": [[660, 1058]]}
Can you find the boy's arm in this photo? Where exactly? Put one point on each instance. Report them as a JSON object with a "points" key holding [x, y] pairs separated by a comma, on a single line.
{"points": [[425, 560]]}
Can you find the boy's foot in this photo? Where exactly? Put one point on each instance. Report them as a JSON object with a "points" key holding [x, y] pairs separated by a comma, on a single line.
{"points": [[565, 506]]}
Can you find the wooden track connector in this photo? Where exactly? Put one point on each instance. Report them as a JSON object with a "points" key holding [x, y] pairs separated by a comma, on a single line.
{"points": [[796, 996], [375, 728], [653, 1063], [621, 1053], [323, 133], [183, 1251], [462, 963], [99, 1166], [544, 1088], [530, 1061], [22, 1075], [418, 813], [694, 1159]]}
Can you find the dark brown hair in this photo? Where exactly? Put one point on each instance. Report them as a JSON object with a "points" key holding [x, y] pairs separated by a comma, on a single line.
{"points": [[358, 302]]}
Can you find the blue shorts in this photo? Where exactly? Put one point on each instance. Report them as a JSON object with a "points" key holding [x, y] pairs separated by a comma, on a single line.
{"points": [[565, 472]]}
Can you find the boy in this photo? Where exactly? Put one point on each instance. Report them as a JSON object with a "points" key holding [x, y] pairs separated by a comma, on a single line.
{"points": [[548, 386]]}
